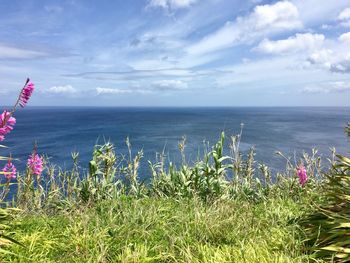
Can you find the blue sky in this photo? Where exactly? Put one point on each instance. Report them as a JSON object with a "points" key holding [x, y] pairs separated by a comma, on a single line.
{"points": [[177, 52]]}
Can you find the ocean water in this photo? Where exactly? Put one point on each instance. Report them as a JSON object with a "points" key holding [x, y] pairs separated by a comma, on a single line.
{"points": [[60, 130]]}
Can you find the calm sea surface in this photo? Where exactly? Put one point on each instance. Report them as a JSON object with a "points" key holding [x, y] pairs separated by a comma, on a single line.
{"points": [[59, 131]]}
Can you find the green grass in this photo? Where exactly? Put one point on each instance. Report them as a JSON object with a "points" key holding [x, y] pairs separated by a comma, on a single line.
{"points": [[217, 209], [164, 230]]}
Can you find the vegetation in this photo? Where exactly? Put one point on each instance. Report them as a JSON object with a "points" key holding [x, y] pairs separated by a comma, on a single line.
{"points": [[347, 129], [329, 227], [217, 209], [150, 229]]}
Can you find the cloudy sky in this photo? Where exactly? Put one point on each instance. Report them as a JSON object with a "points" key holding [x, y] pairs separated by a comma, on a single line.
{"points": [[176, 52]]}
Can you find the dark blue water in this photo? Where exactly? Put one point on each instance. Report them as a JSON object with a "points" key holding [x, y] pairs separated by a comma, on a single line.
{"points": [[59, 131]]}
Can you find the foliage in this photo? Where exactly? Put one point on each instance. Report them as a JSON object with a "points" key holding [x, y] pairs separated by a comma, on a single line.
{"points": [[6, 239], [223, 207], [151, 229], [329, 227], [205, 179], [347, 129], [214, 176]]}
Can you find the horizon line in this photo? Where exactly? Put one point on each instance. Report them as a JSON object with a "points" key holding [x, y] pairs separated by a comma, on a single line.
{"points": [[177, 106]]}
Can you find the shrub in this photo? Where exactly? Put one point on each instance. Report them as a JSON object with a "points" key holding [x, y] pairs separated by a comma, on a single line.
{"points": [[328, 228]]}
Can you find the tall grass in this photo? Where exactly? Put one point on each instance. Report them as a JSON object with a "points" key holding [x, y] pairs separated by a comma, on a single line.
{"points": [[212, 177]]}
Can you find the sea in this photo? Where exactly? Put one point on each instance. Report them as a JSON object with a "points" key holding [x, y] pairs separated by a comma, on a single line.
{"points": [[59, 131]]}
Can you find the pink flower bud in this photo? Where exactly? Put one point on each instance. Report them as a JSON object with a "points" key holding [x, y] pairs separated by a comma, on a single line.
{"points": [[35, 164], [26, 93], [10, 171], [301, 171]]}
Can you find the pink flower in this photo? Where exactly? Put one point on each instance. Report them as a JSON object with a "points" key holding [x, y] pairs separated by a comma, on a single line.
{"points": [[6, 124], [35, 164], [10, 171], [26, 93], [301, 171]]}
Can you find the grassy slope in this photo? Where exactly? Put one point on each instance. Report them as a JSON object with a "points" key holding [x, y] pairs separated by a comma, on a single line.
{"points": [[165, 230]]}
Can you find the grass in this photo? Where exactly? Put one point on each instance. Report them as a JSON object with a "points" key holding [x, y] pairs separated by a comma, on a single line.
{"points": [[164, 230], [217, 209]]}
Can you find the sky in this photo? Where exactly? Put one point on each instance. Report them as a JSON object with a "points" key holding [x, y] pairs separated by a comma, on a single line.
{"points": [[176, 52]]}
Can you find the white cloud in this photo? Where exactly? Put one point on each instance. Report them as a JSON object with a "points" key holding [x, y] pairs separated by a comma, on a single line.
{"points": [[330, 87], [335, 57], [166, 85], [63, 90], [299, 42], [155, 86], [9, 52], [332, 59], [281, 15], [118, 91], [171, 4], [321, 57], [264, 20], [345, 38], [101, 91], [344, 17], [342, 66], [345, 14]]}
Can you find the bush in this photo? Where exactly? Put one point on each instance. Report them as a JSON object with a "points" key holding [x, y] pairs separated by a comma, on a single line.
{"points": [[328, 228]]}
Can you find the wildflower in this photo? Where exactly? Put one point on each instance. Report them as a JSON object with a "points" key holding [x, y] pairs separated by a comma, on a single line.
{"points": [[9, 170], [35, 164], [26, 93], [6, 124], [301, 171]]}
